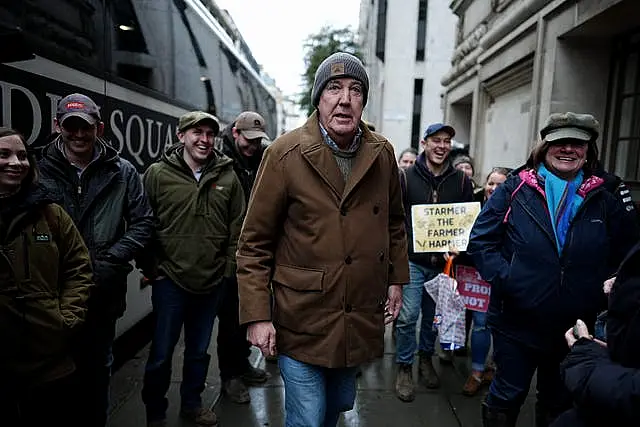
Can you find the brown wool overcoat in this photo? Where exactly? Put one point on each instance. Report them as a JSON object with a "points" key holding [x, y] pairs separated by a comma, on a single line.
{"points": [[329, 249]]}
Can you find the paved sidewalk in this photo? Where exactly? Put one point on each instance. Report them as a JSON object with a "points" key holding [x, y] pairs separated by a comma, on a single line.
{"points": [[376, 404]]}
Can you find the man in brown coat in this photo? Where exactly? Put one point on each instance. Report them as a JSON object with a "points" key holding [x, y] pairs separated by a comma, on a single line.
{"points": [[325, 231]]}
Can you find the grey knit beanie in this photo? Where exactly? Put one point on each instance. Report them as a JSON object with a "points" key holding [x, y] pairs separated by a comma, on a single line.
{"points": [[340, 64]]}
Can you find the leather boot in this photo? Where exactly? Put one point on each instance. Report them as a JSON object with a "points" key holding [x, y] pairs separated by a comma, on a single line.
{"points": [[545, 415], [495, 417]]}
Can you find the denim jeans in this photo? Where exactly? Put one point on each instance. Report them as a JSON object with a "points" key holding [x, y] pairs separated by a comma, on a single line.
{"points": [[174, 307], [315, 396], [93, 356], [480, 341], [414, 299], [515, 366]]}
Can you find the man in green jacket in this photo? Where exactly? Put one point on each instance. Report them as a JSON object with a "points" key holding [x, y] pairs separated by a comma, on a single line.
{"points": [[199, 206]]}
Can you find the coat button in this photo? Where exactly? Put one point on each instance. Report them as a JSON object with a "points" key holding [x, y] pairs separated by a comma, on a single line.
{"points": [[376, 209], [348, 260], [381, 256], [348, 308]]}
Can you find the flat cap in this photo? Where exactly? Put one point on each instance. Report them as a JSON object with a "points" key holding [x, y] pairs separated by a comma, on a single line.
{"points": [[192, 118], [570, 126]]}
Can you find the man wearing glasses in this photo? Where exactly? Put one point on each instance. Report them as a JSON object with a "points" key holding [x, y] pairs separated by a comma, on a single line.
{"points": [[104, 196], [242, 141]]}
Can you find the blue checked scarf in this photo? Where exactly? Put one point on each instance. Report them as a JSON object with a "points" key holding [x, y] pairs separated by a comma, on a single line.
{"points": [[563, 201]]}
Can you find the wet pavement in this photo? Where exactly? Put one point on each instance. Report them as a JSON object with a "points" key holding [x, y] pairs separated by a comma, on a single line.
{"points": [[376, 404]]}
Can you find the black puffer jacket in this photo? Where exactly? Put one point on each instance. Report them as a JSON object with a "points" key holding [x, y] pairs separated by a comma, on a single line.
{"points": [[108, 204], [605, 382]]}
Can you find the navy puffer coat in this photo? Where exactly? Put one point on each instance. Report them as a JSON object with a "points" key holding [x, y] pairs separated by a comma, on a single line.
{"points": [[537, 292]]}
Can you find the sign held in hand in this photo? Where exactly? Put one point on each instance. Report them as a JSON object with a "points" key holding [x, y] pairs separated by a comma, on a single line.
{"points": [[441, 227], [474, 291]]}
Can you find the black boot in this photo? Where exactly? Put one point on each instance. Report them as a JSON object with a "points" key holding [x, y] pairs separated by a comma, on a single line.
{"points": [[495, 417], [545, 415]]}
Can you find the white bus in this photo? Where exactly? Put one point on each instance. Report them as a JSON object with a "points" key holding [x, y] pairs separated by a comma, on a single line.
{"points": [[145, 62]]}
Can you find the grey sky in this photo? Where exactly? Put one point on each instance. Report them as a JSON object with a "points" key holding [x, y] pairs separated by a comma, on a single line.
{"points": [[276, 29]]}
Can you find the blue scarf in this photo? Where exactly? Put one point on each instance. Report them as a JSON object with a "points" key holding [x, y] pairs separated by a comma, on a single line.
{"points": [[563, 201]]}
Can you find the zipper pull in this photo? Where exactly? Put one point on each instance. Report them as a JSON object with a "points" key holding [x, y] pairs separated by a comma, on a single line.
{"points": [[79, 189], [434, 196]]}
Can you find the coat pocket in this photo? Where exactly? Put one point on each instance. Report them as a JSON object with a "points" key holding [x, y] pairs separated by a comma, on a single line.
{"points": [[299, 299], [299, 278]]}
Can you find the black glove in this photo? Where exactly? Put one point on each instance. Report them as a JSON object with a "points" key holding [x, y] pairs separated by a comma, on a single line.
{"points": [[107, 272]]}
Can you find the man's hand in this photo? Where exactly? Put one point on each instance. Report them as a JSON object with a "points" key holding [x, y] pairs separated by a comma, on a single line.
{"points": [[263, 336], [393, 304], [453, 253]]}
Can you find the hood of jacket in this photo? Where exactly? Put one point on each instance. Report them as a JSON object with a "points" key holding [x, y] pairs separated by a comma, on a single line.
{"points": [[18, 207], [53, 154], [421, 167], [623, 318]]}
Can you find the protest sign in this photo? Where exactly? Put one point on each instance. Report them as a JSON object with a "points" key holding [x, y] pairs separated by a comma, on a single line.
{"points": [[474, 291], [442, 227]]}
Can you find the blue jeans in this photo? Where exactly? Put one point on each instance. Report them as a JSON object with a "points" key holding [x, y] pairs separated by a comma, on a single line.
{"points": [[480, 341], [174, 307], [315, 396], [414, 299]]}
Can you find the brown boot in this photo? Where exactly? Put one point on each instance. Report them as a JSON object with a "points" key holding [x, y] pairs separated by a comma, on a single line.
{"points": [[472, 385], [200, 416], [404, 383], [428, 372], [236, 391]]}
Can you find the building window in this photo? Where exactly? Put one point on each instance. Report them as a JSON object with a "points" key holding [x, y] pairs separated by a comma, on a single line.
{"points": [[381, 33], [129, 36], [421, 41], [417, 109], [625, 125]]}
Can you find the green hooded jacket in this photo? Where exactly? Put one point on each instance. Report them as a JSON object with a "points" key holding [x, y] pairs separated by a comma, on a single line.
{"points": [[45, 279], [198, 223]]}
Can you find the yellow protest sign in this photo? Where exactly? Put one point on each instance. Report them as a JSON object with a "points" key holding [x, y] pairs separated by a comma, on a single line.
{"points": [[441, 227]]}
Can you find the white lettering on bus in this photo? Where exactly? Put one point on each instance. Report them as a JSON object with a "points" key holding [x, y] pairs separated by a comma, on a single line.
{"points": [[7, 90], [53, 101], [150, 146], [135, 154], [115, 129]]}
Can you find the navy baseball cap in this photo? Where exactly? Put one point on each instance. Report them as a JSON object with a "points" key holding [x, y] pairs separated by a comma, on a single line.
{"points": [[78, 105], [437, 127]]}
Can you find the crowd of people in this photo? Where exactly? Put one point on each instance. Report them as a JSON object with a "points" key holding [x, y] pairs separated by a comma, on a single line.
{"points": [[277, 242]]}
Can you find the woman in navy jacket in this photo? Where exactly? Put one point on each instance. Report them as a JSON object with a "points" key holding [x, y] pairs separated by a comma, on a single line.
{"points": [[546, 241]]}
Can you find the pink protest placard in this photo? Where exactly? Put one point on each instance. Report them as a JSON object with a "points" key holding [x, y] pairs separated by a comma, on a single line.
{"points": [[475, 292]]}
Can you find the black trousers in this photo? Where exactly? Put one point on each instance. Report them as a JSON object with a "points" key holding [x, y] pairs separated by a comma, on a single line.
{"points": [[93, 357], [233, 347]]}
